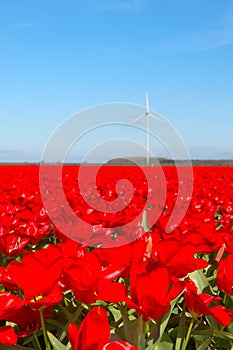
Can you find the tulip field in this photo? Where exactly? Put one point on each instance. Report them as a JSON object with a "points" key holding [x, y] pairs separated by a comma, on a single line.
{"points": [[116, 279]]}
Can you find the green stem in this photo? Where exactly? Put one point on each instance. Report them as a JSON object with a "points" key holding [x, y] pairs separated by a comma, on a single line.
{"points": [[188, 334], [37, 341], [46, 340], [224, 299], [139, 339], [65, 301], [211, 278]]}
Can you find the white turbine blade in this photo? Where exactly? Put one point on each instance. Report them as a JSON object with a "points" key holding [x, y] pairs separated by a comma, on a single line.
{"points": [[138, 118], [153, 116]]}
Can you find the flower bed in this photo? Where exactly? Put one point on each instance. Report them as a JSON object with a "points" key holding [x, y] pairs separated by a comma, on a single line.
{"points": [[143, 289]]}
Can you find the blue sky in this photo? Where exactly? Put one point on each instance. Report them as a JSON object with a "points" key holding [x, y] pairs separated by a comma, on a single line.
{"points": [[59, 57]]}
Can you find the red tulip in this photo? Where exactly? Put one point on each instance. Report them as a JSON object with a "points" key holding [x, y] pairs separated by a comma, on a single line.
{"points": [[8, 335], [177, 256], [94, 333], [198, 304], [225, 274], [6, 280], [13, 309], [124, 255], [10, 304], [90, 281], [152, 289], [38, 275]]}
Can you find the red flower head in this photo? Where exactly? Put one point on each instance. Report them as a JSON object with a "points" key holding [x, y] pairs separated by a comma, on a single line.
{"points": [[90, 281], [8, 335], [94, 333], [10, 305], [225, 275], [6, 280], [177, 256], [152, 289], [198, 304], [124, 255], [13, 309], [38, 275]]}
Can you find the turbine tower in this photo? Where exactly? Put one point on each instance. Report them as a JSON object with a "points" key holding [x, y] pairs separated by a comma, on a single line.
{"points": [[148, 115]]}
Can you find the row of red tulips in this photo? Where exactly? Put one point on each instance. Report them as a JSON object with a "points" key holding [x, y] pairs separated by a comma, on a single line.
{"points": [[156, 291]]}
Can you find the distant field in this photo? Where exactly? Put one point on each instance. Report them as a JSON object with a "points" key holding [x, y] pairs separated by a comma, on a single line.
{"points": [[142, 161]]}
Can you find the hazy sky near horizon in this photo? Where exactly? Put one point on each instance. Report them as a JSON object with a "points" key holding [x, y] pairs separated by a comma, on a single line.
{"points": [[59, 57]]}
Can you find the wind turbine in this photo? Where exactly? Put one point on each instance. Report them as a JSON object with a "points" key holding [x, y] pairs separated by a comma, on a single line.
{"points": [[148, 115]]}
